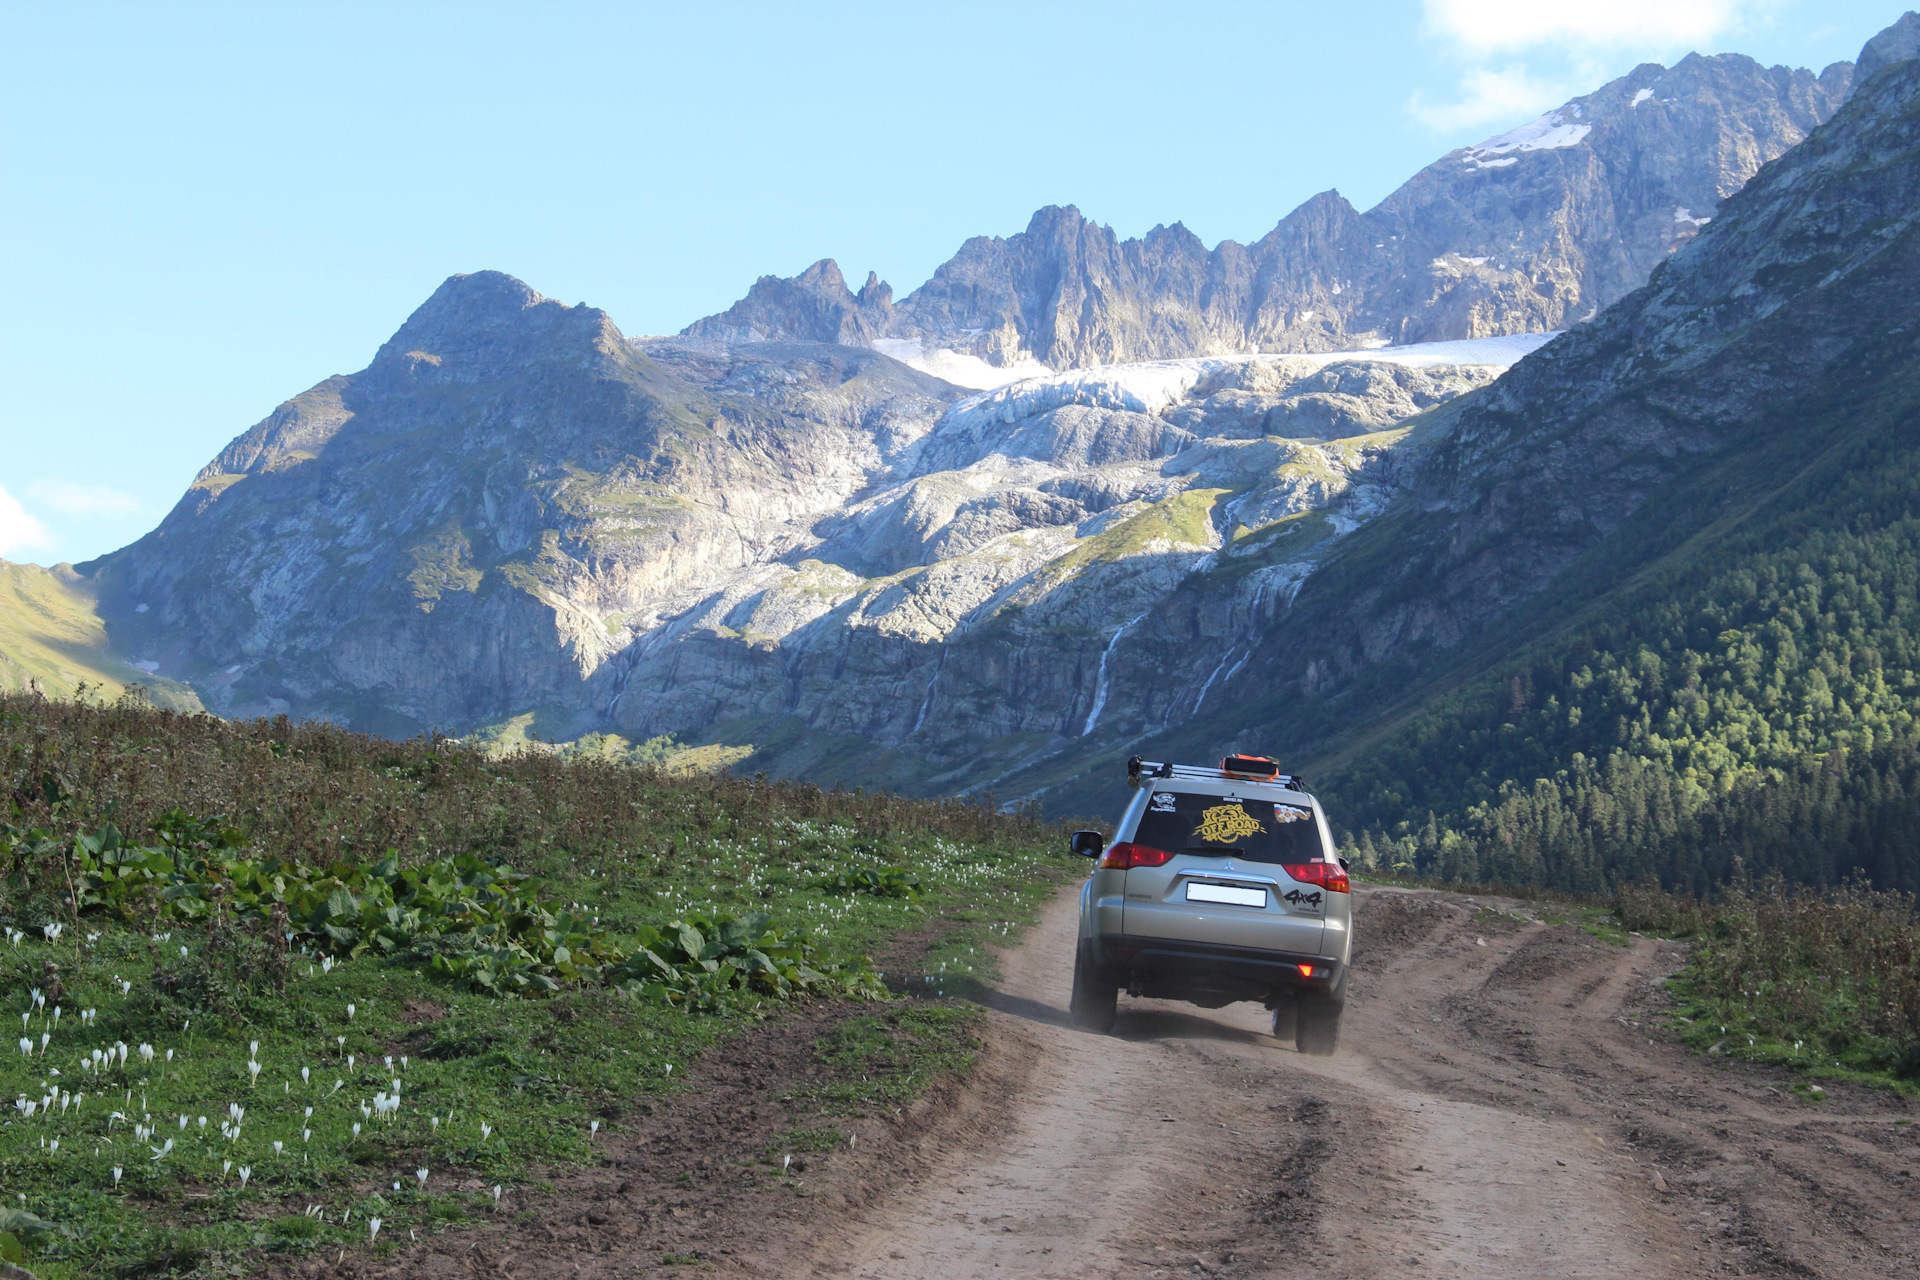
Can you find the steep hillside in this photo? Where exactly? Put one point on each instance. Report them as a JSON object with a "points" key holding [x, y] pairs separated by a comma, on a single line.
{"points": [[52, 639], [1532, 230], [1693, 524]]}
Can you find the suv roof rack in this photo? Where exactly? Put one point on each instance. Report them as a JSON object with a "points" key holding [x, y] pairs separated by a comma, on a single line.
{"points": [[1141, 772]]}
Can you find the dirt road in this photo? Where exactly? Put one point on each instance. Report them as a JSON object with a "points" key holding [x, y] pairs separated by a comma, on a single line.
{"points": [[1503, 1105], [1495, 1110]]}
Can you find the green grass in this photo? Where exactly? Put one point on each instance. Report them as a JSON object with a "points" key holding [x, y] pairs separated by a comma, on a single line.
{"points": [[51, 637], [628, 845]]}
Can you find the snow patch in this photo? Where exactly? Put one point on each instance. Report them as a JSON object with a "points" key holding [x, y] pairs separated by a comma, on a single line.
{"points": [[1685, 215], [1640, 97], [957, 367], [1550, 132], [1153, 386]]}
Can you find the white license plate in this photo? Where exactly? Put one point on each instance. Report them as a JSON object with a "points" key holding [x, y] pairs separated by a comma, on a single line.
{"points": [[1226, 893]]}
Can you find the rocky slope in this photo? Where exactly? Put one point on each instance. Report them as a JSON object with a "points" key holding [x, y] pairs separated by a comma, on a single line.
{"points": [[507, 496], [515, 509], [1697, 410], [814, 552], [1532, 230]]}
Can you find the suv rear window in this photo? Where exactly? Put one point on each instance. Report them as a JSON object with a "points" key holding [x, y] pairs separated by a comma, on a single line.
{"points": [[1257, 830]]}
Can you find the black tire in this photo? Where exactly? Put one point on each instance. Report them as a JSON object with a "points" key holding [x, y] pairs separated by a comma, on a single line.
{"points": [[1095, 1001], [1316, 1024]]}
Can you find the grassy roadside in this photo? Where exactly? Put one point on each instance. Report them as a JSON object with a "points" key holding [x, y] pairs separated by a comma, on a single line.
{"points": [[307, 1037]]}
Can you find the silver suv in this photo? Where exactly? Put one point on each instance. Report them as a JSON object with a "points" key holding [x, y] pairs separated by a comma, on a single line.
{"points": [[1220, 885]]}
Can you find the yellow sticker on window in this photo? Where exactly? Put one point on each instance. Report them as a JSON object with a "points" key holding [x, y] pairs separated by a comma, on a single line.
{"points": [[1225, 823]]}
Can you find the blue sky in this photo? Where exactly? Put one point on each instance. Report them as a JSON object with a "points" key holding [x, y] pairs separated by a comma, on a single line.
{"points": [[207, 208]]}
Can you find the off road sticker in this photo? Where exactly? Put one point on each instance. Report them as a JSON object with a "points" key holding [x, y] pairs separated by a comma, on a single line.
{"points": [[1226, 823], [1305, 899], [1162, 802], [1292, 813]]}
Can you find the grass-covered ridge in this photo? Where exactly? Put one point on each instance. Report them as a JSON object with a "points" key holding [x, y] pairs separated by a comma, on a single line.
{"points": [[52, 638], [294, 918]]}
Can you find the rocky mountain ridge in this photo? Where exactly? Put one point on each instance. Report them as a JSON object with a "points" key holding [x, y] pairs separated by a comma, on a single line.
{"points": [[816, 553], [1532, 230]]}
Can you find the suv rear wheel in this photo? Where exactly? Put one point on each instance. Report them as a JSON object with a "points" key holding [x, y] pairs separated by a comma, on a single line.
{"points": [[1316, 1024], [1095, 1002]]}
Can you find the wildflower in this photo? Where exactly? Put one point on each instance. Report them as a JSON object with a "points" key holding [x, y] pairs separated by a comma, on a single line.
{"points": [[125, 986], [146, 1053], [52, 931], [326, 964], [356, 1128], [162, 1151], [253, 1070], [45, 1036], [305, 1134], [245, 1173], [421, 1174], [184, 1122], [373, 1229], [183, 953], [496, 1193], [336, 1087], [436, 1122], [116, 1175], [277, 1145], [305, 1074], [349, 1062], [593, 1128], [26, 1045], [225, 1165], [169, 1055], [349, 1011], [403, 1062], [486, 1131]]}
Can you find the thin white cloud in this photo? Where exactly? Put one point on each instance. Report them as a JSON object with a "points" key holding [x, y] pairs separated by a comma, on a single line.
{"points": [[1583, 43], [84, 499], [19, 530], [1487, 96], [1505, 26]]}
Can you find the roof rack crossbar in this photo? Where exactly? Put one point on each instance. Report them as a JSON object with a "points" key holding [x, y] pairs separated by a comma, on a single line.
{"points": [[1141, 773]]}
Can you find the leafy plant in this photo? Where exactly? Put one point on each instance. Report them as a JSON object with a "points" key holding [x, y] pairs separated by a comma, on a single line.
{"points": [[890, 882]]}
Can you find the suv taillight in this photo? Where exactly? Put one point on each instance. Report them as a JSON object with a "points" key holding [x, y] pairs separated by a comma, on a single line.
{"points": [[1127, 854], [1330, 876]]}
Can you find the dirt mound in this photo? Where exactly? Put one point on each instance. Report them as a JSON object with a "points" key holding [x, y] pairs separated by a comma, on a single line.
{"points": [[1545, 957], [1387, 923]]}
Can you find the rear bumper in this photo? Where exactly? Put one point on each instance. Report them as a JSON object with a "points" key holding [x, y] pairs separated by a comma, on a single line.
{"points": [[1172, 969]]}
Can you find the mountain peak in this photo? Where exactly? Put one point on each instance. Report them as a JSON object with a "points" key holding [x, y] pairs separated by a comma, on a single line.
{"points": [[814, 306], [1897, 43], [485, 316]]}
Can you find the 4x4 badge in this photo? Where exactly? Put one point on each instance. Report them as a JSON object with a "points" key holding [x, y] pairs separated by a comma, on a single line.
{"points": [[1297, 898]]}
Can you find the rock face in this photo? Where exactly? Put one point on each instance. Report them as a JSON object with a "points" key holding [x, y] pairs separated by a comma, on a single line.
{"points": [[1532, 230], [514, 509], [469, 527]]}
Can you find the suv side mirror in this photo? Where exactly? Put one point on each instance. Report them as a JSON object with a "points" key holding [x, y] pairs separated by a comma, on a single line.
{"points": [[1344, 864], [1088, 844]]}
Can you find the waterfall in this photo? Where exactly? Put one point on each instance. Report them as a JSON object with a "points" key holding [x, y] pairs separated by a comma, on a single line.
{"points": [[1100, 683]]}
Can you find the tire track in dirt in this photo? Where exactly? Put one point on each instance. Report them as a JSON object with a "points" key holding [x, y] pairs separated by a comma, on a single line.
{"points": [[1499, 1107]]}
